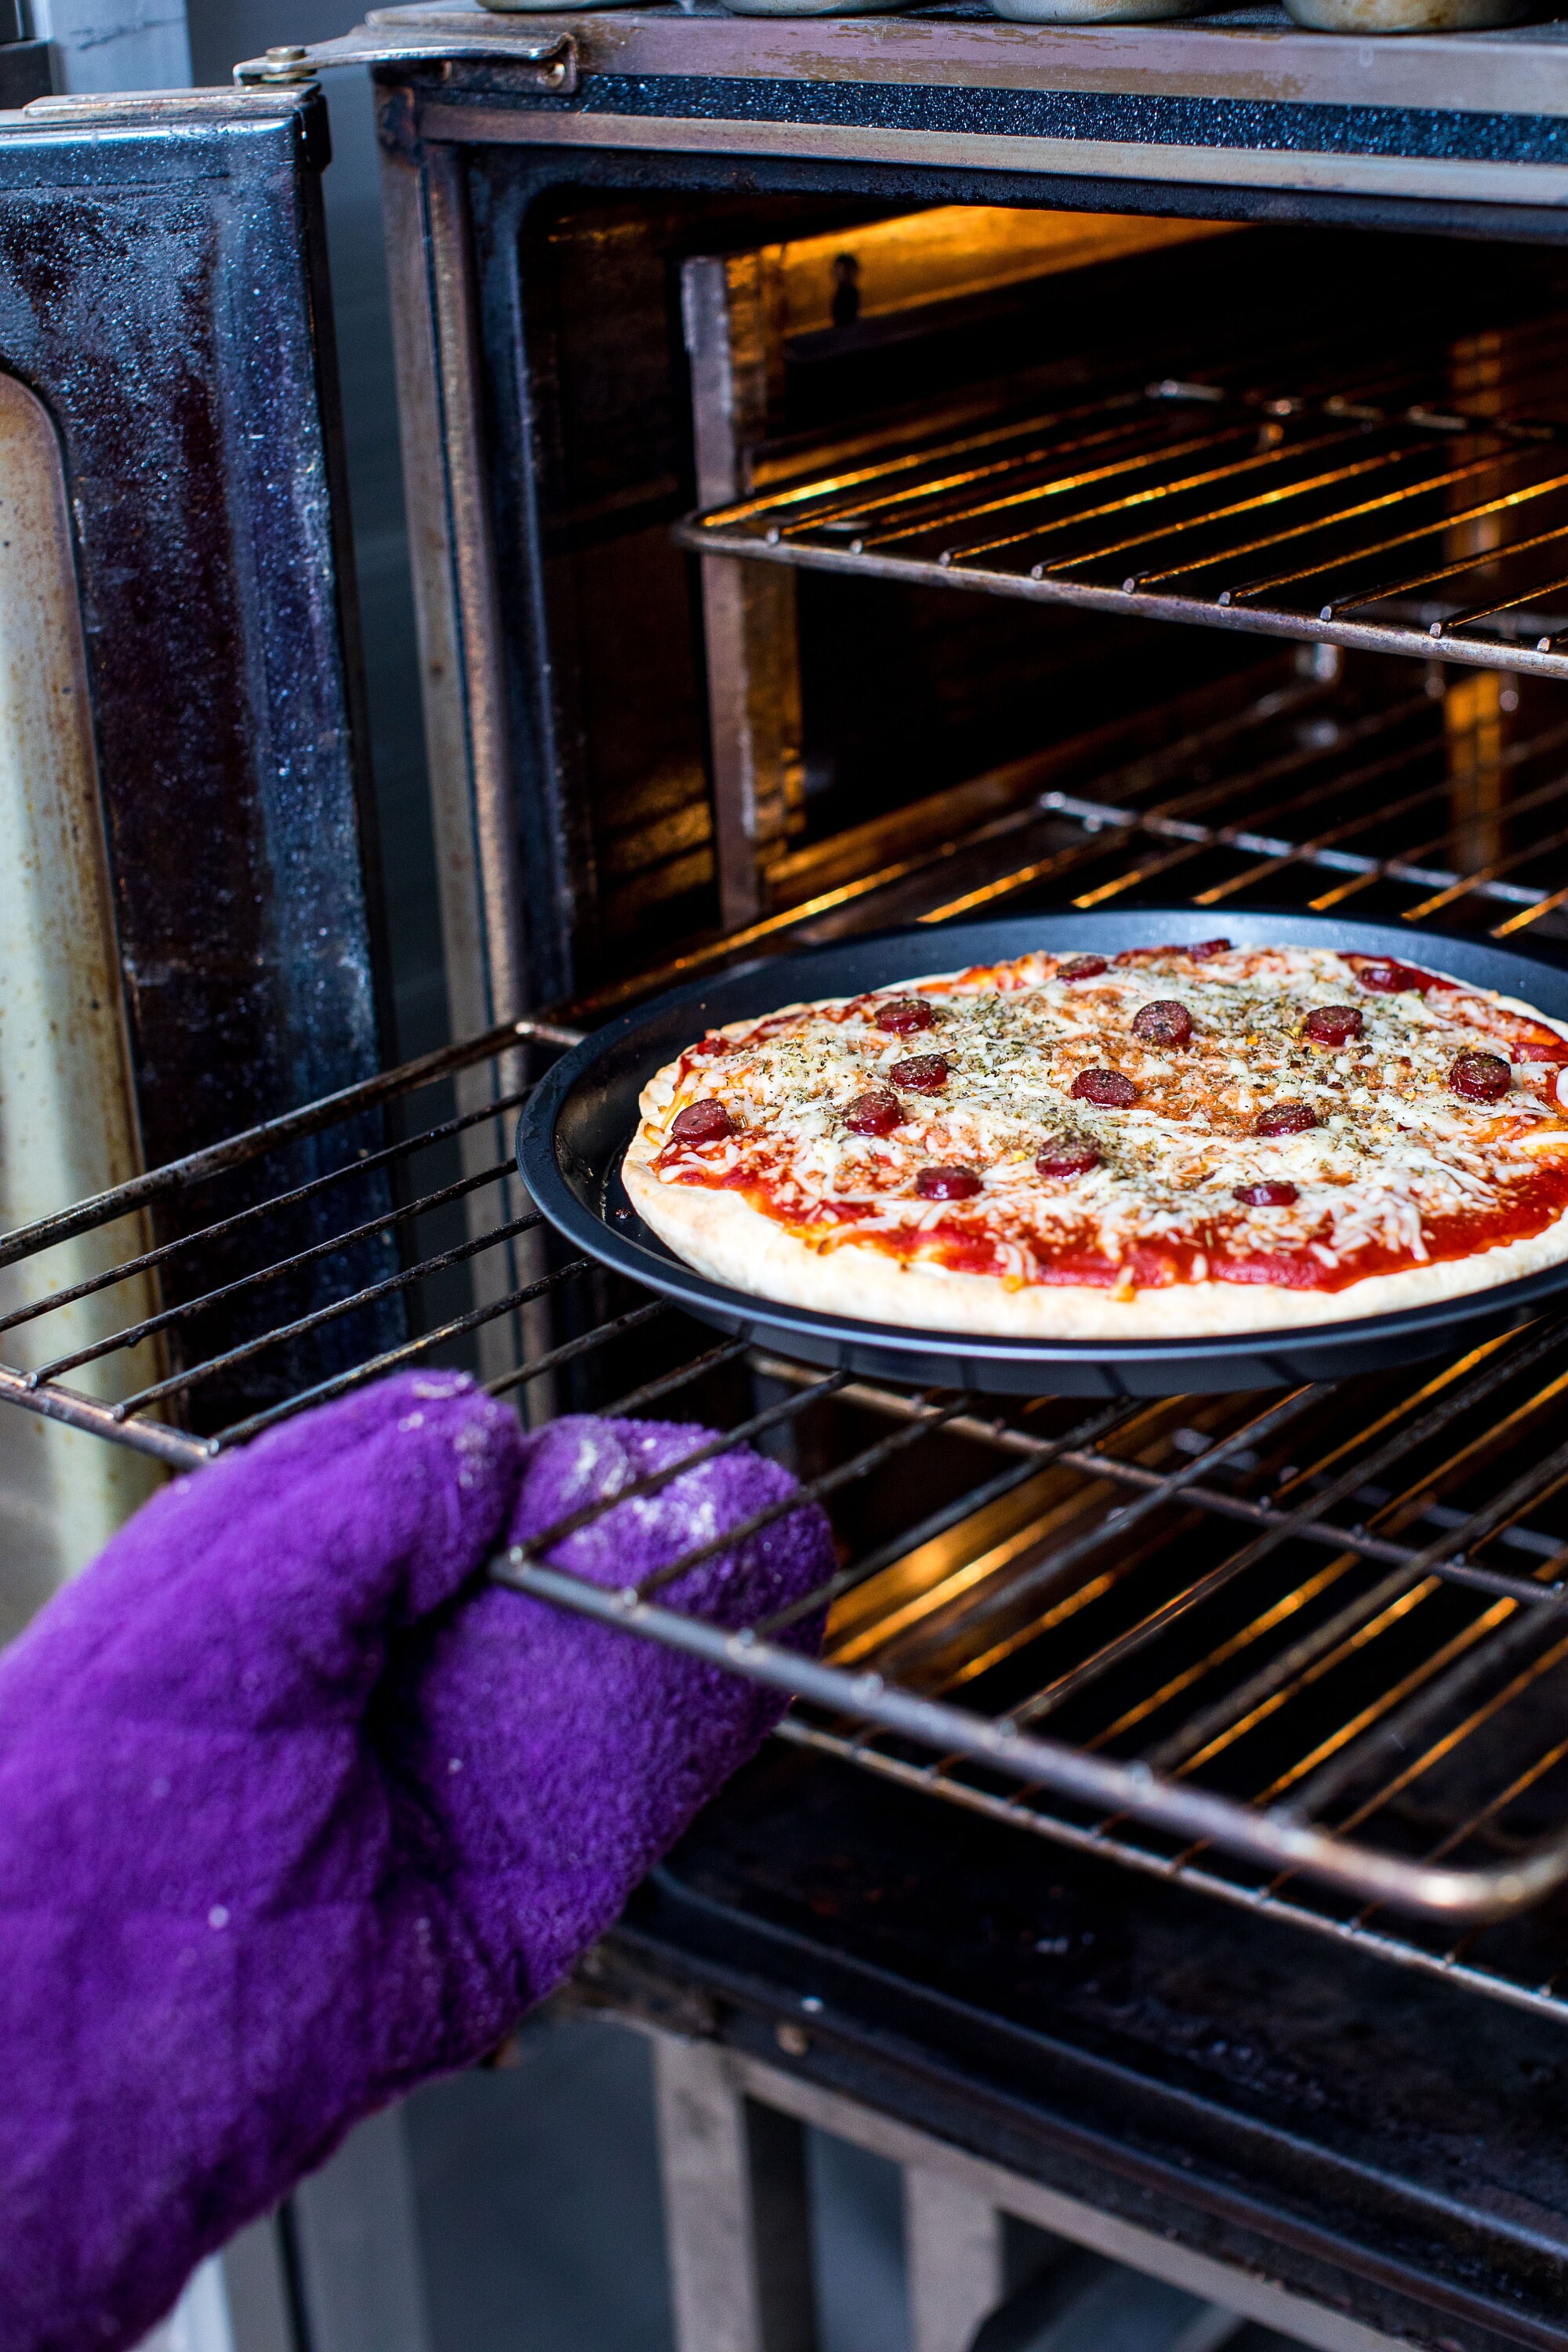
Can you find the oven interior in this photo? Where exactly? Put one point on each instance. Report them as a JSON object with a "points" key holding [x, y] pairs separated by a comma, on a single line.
{"points": [[1253, 423], [899, 672]]}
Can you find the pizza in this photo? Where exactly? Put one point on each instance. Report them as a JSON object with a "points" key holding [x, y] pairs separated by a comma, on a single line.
{"points": [[1167, 1142]]}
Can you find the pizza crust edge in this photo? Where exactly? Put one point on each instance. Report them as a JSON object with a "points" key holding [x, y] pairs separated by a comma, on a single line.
{"points": [[722, 1235]]}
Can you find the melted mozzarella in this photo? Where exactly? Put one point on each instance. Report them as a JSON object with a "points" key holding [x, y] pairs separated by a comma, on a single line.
{"points": [[1395, 1148]]}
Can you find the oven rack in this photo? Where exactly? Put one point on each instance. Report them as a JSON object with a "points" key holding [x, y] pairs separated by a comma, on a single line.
{"points": [[1402, 526], [1401, 1545], [1313, 782], [856, 1708]]}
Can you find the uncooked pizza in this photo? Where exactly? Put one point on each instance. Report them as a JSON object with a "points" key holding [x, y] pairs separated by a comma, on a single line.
{"points": [[1167, 1142]]}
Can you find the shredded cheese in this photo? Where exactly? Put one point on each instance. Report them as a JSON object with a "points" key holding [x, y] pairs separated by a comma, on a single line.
{"points": [[1394, 1153]]}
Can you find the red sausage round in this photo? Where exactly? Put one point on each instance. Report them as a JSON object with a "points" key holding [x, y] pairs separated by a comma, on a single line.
{"points": [[875, 1113], [923, 1074], [703, 1122], [1166, 1022], [1110, 1088], [905, 1015], [947, 1183], [1287, 1119], [1333, 1025], [1386, 977], [1067, 1160], [1480, 1077]]}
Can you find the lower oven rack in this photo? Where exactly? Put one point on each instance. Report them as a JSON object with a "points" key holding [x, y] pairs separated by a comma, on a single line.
{"points": [[1307, 1652]]}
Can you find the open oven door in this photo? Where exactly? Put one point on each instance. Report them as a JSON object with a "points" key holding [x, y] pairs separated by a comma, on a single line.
{"points": [[188, 885]]}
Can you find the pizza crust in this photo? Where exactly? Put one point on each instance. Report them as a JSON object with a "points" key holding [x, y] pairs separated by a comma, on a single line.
{"points": [[722, 1235]]}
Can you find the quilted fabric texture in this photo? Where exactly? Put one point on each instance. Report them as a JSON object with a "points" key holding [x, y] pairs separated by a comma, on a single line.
{"points": [[292, 1815]]}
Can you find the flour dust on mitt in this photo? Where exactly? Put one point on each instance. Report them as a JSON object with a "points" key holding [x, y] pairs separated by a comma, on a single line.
{"points": [[1171, 1142], [296, 1810]]}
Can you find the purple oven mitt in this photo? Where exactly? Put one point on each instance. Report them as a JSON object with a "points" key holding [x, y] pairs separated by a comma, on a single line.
{"points": [[293, 1814]]}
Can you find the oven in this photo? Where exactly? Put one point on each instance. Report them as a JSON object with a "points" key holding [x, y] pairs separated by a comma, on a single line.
{"points": [[861, 472]]}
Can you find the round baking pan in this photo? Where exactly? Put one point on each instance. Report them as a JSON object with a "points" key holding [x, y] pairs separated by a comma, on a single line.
{"points": [[578, 1121]]}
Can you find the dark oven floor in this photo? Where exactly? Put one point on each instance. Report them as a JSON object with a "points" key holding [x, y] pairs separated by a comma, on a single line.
{"points": [[1382, 2144]]}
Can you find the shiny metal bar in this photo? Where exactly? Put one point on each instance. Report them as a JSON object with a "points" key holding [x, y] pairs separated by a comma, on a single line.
{"points": [[288, 1128], [569, 1350], [951, 1514], [1133, 777], [654, 1392], [1360, 1472], [1427, 485], [1185, 485], [1213, 517], [654, 1482], [1470, 885], [929, 1415], [1546, 904], [1403, 868], [1360, 1542], [1283, 454], [1312, 851], [386, 1157], [1531, 595], [1371, 636], [1162, 819], [1437, 442], [77, 1412], [208, 1370], [951, 508], [1392, 1736], [1129, 1791], [991, 436], [133, 1334], [1526, 1491], [1422, 583], [240, 1432]]}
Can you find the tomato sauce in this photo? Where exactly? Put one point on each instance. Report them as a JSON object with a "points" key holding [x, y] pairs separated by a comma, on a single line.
{"points": [[987, 1239], [1216, 1250]]}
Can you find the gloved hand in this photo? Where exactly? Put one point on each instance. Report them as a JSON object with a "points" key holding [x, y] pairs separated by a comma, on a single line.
{"points": [[292, 1815]]}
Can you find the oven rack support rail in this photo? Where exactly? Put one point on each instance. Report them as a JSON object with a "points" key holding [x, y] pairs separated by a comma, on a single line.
{"points": [[1402, 527], [1280, 1858]]}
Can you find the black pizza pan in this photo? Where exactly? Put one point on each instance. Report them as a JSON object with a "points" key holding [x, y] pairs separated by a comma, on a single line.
{"points": [[578, 1121]]}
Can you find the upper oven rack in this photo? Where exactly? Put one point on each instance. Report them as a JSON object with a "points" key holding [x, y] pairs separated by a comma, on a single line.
{"points": [[1349, 517], [1392, 1559]]}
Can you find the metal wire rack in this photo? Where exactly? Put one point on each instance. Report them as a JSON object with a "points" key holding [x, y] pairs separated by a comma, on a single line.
{"points": [[1308, 1654], [1378, 516]]}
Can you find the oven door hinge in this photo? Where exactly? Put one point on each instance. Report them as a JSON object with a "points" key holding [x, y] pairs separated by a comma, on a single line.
{"points": [[549, 64]]}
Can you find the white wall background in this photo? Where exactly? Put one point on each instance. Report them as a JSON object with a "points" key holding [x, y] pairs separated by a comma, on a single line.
{"points": [[103, 45]]}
